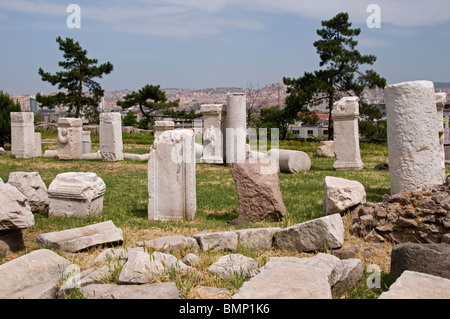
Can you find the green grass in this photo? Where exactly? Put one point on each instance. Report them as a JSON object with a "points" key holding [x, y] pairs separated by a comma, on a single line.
{"points": [[126, 197]]}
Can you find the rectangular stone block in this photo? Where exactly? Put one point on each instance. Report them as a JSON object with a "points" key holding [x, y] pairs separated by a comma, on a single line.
{"points": [[23, 143], [70, 138]]}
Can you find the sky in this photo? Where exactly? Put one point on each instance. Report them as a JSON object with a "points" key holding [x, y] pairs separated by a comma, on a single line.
{"points": [[195, 44]]}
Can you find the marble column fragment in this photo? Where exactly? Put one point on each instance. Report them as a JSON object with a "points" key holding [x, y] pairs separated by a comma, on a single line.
{"points": [[212, 135], [111, 144], [23, 143]]}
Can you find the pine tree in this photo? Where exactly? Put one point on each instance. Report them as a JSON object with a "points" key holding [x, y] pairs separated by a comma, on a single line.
{"points": [[7, 105], [341, 75], [79, 73]]}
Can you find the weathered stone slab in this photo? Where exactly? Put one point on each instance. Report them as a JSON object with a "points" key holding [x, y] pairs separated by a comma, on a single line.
{"points": [[170, 262], [33, 187], [286, 282], [433, 259], [352, 272], [51, 153], [317, 234], [226, 240], [416, 285], [77, 239], [258, 188], [115, 255], [257, 238], [232, 265], [15, 211], [171, 243], [341, 194], [164, 290], [32, 276], [77, 279], [76, 195], [212, 136], [171, 177]]}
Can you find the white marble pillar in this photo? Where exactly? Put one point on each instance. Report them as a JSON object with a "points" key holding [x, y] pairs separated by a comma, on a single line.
{"points": [[111, 144], [236, 128], [413, 136], [23, 143], [345, 115]]}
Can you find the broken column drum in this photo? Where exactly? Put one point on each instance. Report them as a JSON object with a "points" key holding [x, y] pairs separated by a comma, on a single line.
{"points": [[345, 116], [291, 162], [414, 151], [236, 128], [23, 144], [111, 145], [171, 177], [76, 195], [70, 138], [212, 135]]}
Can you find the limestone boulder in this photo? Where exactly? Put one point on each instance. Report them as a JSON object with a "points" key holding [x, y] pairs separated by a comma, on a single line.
{"points": [[32, 276], [314, 235], [325, 149], [341, 194], [16, 212], [258, 189], [257, 238], [171, 244], [217, 241], [140, 268], [33, 187]]}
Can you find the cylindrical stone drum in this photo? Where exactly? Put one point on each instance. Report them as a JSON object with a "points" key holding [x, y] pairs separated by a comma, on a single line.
{"points": [[291, 161]]}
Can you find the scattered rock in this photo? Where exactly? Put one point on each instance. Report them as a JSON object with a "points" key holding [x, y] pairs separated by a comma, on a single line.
{"points": [[234, 265], [32, 276], [433, 259], [11, 241], [416, 285], [352, 272], [341, 194], [77, 239], [33, 187], [325, 149], [191, 260], [140, 269], [258, 188], [317, 234], [345, 253]]}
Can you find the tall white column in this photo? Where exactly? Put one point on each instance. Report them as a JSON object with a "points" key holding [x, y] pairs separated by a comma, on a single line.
{"points": [[236, 128], [413, 136]]}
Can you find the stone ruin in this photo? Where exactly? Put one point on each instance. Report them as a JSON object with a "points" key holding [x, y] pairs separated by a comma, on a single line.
{"points": [[111, 145], [70, 138], [25, 143]]}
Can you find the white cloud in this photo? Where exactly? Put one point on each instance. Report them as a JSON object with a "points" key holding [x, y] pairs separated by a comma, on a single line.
{"points": [[187, 18]]}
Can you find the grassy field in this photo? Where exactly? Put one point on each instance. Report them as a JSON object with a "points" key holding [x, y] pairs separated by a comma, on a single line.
{"points": [[126, 199]]}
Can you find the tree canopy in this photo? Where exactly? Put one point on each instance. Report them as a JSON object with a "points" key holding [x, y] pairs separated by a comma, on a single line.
{"points": [[149, 98], [79, 73], [340, 74], [7, 105]]}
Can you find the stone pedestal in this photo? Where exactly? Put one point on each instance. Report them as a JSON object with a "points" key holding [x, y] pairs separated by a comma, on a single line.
{"points": [[212, 134], [415, 153], [346, 134], [76, 195], [171, 177], [111, 145], [70, 138], [23, 144], [236, 128], [87, 144], [37, 144], [161, 126]]}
